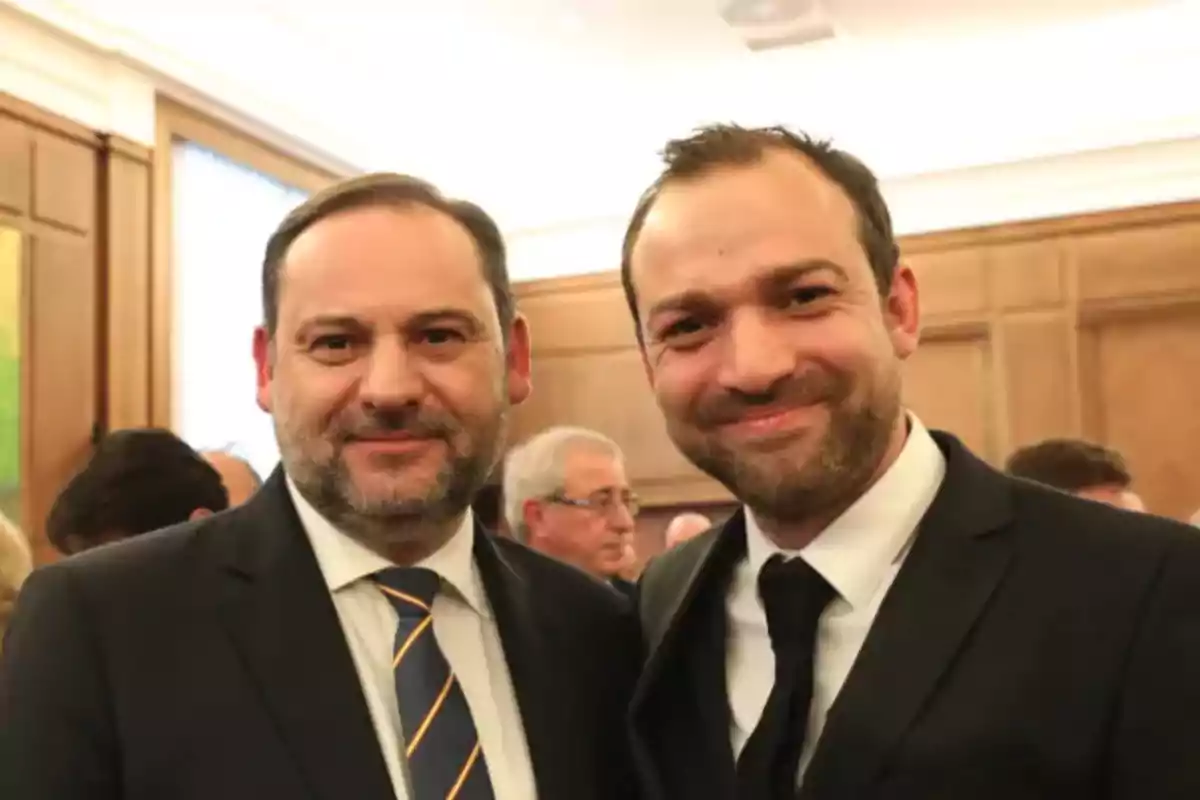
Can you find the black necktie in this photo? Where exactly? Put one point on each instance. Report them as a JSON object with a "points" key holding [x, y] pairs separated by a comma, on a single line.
{"points": [[445, 761], [794, 595]]}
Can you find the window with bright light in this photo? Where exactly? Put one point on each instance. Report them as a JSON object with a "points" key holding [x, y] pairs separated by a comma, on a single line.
{"points": [[222, 214]]}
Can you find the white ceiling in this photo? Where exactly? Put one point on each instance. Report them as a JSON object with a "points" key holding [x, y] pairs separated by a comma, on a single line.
{"points": [[552, 110]]}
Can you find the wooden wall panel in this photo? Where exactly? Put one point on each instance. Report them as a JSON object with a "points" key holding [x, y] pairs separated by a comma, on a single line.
{"points": [[49, 170], [126, 278], [1027, 275], [965, 364], [16, 169], [1038, 377], [951, 284], [1127, 264], [1080, 326], [64, 190], [62, 354], [1144, 387]]}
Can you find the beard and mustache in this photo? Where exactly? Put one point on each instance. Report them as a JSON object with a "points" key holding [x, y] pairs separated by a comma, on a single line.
{"points": [[792, 478], [386, 514]]}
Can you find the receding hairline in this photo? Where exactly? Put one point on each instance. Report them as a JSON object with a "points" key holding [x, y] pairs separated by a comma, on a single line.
{"points": [[394, 190], [386, 205], [668, 183], [399, 206]]}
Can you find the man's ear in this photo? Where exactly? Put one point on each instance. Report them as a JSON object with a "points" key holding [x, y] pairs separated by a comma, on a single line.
{"points": [[518, 361], [199, 513], [264, 367], [532, 514], [902, 312]]}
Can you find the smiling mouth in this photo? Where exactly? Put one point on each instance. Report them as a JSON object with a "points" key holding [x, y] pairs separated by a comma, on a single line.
{"points": [[766, 423], [392, 444]]}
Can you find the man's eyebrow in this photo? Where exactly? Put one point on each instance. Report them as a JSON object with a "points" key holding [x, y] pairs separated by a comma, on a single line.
{"points": [[337, 321], [790, 272], [694, 299], [453, 315]]}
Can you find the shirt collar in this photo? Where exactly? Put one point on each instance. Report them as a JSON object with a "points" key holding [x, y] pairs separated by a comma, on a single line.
{"points": [[858, 548], [345, 561]]}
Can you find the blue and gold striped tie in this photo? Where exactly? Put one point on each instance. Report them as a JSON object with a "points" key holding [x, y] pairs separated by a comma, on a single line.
{"points": [[445, 761]]}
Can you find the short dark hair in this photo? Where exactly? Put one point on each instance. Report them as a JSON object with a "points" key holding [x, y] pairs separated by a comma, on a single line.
{"points": [[725, 145], [1070, 465], [136, 480], [388, 189]]}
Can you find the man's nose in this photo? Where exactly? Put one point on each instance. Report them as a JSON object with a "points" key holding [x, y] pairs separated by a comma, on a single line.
{"points": [[622, 519], [756, 355], [391, 378]]}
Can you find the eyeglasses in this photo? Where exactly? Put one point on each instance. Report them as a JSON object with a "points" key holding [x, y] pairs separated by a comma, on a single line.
{"points": [[601, 502]]}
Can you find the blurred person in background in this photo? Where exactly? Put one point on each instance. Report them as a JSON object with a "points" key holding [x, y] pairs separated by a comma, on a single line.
{"points": [[240, 479], [566, 495], [1079, 467], [136, 480], [685, 526], [16, 562]]}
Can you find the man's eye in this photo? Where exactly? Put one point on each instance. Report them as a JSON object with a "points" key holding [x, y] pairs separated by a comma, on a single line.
{"points": [[439, 336], [809, 294], [332, 341], [681, 327]]}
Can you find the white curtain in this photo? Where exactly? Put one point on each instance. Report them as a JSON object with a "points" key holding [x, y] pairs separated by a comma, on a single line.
{"points": [[223, 214]]}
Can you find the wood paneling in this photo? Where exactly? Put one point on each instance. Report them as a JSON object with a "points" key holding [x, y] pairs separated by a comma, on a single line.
{"points": [[1081, 326], [1143, 393], [64, 183], [49, 192], [127, 222], [967, 410], [16, 170]]}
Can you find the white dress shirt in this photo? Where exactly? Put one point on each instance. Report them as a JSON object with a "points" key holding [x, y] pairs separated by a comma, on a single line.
{"points": [[464, 627], [859, 555]]}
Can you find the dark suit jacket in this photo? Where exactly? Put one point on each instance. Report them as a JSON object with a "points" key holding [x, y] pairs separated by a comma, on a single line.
{"points": [[1033, 645], [207, 661], [627, 589]]}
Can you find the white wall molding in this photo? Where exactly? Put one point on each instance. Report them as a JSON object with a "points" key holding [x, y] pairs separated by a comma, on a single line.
{"points": [[1124, 177], [73, 79], [61, 60]]}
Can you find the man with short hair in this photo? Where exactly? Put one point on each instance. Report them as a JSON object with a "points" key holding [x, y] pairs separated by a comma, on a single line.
{"points": [[887, 617], [685, 527], [135, 481], [566, 495], [1082, 468], [349, 631], [239, 478]]}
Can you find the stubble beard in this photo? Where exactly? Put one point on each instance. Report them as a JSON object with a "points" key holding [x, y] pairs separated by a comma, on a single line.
{"points": [[385, 522], [802, 481]]}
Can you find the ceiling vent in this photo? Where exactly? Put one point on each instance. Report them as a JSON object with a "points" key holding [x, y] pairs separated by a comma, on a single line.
{"points": [[771, 24]]}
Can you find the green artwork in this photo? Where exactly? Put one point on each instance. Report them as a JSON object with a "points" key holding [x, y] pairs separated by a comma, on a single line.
{"points": [[10, 373]]}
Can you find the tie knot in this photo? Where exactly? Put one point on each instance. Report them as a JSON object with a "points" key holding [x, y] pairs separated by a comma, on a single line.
{"points": [[410, 589], [794, 595]]}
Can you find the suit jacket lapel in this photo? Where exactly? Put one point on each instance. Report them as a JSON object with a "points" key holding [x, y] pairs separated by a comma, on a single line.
{"points": [[956, 562], [528, 657], [685, 632], [283, 623]]}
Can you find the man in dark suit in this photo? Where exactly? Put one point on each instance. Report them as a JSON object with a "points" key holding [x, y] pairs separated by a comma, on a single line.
{"points": [[349, 631], [887, 617]]}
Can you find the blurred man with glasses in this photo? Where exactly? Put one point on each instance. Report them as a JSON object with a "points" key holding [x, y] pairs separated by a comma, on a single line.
{"points": [[566, 495]]}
